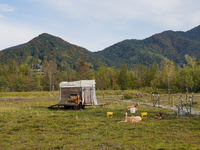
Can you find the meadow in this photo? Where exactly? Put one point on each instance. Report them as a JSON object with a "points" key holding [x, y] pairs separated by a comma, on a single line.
{"points": [[27, 123]]}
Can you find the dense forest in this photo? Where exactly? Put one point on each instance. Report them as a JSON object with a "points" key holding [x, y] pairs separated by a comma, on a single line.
{"points": [[46, 47], [168, 60], [165, 75], [168, 44]]}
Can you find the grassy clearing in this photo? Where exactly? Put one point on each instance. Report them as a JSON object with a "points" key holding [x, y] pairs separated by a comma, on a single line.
{"points": [[26, 123], [28, 94]]}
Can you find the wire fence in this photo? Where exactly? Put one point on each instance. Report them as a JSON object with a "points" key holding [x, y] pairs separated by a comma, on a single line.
{"points": [[189, 102]]}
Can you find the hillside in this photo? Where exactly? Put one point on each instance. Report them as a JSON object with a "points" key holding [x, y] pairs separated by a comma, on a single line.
{"points": [[166, 45], [175, 45], [133, 51], [49, 47], [169, 44]]}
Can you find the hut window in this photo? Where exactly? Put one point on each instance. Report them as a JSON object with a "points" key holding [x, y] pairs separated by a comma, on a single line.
{"points": [[73, 95]]}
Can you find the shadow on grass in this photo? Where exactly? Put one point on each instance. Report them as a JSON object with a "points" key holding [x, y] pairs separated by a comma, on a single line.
{"points": [[61, 108]]}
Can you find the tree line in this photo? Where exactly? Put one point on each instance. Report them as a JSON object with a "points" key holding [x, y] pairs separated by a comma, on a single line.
{"points": [[166, 75]]}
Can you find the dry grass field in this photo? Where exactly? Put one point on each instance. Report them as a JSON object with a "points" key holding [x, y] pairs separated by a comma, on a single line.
{"points": [[27, 123]]}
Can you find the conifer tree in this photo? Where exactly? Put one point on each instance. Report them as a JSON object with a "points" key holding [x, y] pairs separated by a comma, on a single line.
{"points": [[132, 80], [101, 77], [82, 71]]}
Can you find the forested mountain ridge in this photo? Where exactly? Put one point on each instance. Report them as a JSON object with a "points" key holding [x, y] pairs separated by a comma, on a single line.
{"points": [[168, 44], [175, 45], [48, 47], [136, 63], [193, 34], [133, 51]]}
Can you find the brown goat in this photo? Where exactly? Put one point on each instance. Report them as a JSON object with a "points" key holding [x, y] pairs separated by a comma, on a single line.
{"points": [[134, 106], [74, 99], [159, 116], [131, 119]]}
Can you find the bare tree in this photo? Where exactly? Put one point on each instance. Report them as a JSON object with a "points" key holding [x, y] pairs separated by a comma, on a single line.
{"points": [[51, 68]]}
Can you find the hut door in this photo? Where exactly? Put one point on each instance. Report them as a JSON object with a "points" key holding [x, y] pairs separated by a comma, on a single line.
{"points": [[88, 99]]}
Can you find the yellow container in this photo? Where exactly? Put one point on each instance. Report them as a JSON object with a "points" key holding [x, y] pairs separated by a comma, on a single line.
{"points": [[109, 114], [144, 114]]}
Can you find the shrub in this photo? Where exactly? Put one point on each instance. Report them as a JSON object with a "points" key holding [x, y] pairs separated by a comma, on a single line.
{"points": [[128, 96]]}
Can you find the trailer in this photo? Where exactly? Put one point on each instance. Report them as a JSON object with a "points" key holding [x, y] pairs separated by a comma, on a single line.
{"points": [[77, 94]]}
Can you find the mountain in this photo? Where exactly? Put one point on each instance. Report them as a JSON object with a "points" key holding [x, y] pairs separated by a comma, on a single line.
{"points": [[166, 45], [49, 47], [175, 45], [133, 51], [193, 34]]}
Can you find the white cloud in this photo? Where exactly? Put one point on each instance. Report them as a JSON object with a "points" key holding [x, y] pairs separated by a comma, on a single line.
{"points": [[168, 13], [1, 16], [6, 7]]}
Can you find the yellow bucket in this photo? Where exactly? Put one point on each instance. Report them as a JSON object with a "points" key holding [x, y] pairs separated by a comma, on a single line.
{"points": [[109, 114], [144, 114]]}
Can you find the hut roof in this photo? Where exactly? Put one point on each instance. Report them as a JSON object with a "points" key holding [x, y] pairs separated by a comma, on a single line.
{"points": [[80, 83]]}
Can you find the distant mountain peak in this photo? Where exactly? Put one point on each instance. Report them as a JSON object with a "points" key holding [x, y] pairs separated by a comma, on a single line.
{"points": [[45, 35], [194, 34], [166, 45], [47, 47]]}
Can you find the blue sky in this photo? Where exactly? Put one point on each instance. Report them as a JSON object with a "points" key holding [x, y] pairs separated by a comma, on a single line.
{"points": [[93, 24]]}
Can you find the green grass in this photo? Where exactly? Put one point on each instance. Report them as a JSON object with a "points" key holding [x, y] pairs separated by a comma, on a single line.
{"points": [[26, 123], [28, 94]]}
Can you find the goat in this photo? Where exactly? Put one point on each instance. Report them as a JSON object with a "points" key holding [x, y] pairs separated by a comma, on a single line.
{"points": [[134, 106], [131, 119], [74, 99], [159, 116]]}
